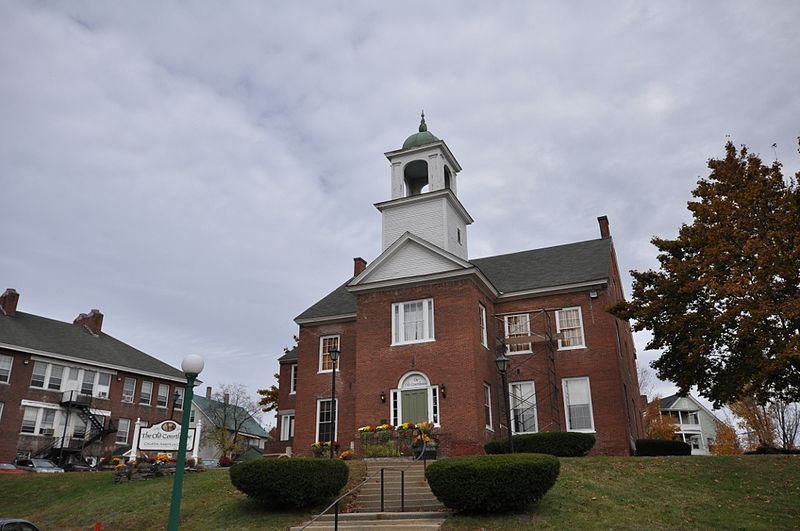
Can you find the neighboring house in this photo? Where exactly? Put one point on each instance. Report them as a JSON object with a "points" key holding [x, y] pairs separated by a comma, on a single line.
{"points": [[696, 424], [419, 328], [214, 414], [70, 389]]}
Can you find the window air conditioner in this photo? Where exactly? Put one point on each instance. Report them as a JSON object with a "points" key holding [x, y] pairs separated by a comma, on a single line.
{"points": [[102, 394], [47, 432]]}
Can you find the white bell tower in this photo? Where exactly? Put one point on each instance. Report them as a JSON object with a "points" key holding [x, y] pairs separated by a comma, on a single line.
{"points": [[424, 200]]}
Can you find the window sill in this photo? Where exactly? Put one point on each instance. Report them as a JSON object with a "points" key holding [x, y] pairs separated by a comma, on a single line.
{"points": [[519, 352], [144, 404], [328, 371], [127, 402], [576, 347], [294, 392], [417, 342], [582, 431]]}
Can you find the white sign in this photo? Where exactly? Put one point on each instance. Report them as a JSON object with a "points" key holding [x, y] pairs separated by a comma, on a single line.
{"points": [[164, 436]]}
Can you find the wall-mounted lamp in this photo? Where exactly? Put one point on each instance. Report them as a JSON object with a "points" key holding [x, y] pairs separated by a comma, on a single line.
{"points": [[25, 362], [444, 391], [119, 378], [593, 294], [383, 397]]}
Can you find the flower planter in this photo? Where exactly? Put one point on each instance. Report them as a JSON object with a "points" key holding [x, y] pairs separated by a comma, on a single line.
{"points": [[428, 454]]}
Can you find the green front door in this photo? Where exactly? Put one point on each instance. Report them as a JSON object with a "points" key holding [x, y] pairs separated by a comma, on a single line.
{"points": [[415, 405]]}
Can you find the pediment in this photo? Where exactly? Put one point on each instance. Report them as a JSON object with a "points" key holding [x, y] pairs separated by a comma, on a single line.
{"points": [[410, 256]]}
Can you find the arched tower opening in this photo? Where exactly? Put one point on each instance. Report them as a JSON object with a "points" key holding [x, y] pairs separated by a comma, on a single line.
{"points": [[415, 177], [447, 178]]}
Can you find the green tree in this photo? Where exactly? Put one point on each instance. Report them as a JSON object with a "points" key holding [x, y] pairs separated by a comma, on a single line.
{"points": [[725, 303]]}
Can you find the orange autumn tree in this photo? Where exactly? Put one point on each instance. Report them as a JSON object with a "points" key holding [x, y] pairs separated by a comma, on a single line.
{"points": [[726, 441], [656, 425]]}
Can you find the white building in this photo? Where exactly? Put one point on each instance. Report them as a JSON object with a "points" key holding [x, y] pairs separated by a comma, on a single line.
{"points": [[696, 424]]}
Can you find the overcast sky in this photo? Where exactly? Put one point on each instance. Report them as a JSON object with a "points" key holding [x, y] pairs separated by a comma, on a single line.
{"points": [[202, 173]]}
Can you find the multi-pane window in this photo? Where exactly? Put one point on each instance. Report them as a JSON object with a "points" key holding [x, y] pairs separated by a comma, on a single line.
{"points": [[578, 404], [146, 393], [326, 416], [487, 405], [326, 344], [482, 315], [293, 378], [522, 396], [570, 326], [163, 395], [191, 415], [518, 326], [128, 390], [80, 427], [87, 385], [29, 419], [412, 322], [287, 427], [46, 425], [56, 376], [5, 368], [103, 385], [39, 374], [123, 426], [178, 404]]}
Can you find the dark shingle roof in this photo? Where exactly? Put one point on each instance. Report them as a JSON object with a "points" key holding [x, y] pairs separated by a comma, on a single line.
{"points": [[291, 355], [550, 267], [571, 263], [337, 302], [249, 426], [669, 401], [57, 337]]}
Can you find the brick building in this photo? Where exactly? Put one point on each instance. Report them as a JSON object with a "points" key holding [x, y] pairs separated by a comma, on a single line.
{"points": [[420, 327], [70, 390]]}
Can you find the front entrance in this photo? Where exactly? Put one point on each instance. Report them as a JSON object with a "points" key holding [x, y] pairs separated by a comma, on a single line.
{"points": [[414, 405]]}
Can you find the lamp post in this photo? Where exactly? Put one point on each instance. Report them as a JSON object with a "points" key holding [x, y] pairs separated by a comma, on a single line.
{"points": [[334, 354], [502, 365], [192, 366]]}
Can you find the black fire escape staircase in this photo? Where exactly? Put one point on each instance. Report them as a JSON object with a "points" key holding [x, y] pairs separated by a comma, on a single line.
{"points": [[81, 405]]}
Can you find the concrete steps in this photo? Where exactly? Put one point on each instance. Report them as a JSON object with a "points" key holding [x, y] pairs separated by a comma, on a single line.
{"points": [[388, 521]]}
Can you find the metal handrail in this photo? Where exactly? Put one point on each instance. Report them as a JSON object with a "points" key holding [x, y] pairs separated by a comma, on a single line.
{"points": [[335, 504]]}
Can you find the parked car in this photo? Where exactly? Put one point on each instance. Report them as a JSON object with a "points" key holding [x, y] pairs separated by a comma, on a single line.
{"points": [[39, 465], [15, 524], [8, 468]]}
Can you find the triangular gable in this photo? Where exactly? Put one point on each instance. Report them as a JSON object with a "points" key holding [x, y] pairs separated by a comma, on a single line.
{"points": [[409, 256]]}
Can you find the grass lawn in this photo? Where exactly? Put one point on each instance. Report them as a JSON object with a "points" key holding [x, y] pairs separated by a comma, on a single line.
{"points": [[79, 500], [748, 492], [753, 492]]}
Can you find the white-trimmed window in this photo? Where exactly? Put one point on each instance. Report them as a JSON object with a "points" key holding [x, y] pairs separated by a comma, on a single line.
{"points": [[487, 405], [46, 426], [39, 374], [523, 407], [482, 316], [569, 323], [55, 378], [146, 393], [123, 426], [517, 326], [412, 322], [103, 386], [578, 404], [287, 427], [293, 378], [178, 398], [326, 344], [29, 419], [38, 421], [128, 390], [5, 368], [326, 413], [163, 395], [191, 415]]}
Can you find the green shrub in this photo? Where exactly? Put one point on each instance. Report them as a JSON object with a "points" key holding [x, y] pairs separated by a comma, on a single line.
{"points": [[656, 447], [558, 443], [761, 450], [492, 483], [290, 483]]}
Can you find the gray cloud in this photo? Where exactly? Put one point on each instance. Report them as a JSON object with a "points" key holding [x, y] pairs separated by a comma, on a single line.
{"points": [[203, 175]]}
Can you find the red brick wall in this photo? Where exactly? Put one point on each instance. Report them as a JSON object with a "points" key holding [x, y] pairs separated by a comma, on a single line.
{"points": [[19, 388], [457, 360]]}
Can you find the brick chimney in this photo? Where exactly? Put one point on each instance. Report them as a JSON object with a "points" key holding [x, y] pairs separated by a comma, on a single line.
{"points": [[93, 321], [208, 392], [604, 231], [226, 398], [8, 302], [359, 265]]}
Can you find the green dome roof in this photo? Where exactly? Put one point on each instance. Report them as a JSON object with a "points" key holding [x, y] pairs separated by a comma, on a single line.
{"points": [[421, 138]]}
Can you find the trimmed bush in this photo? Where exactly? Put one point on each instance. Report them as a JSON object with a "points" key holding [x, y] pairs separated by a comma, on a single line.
{"points": [[558, 443], [290, 483], [492, 483], [656, 447], [769, 450]]}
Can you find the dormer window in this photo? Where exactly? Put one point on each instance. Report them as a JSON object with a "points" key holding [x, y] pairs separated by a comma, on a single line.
{"points": [[412, 322]]}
